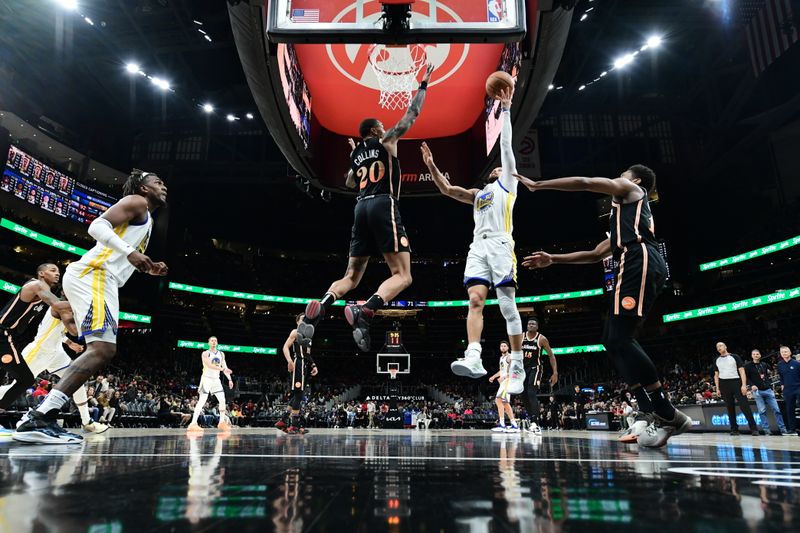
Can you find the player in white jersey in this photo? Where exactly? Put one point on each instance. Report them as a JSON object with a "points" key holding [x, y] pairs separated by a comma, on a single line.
{"points": [[491, 262], [46, 353], [91, 285], [503, 397], [210, 383]]}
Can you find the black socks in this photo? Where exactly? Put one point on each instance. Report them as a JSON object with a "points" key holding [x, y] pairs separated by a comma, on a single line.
{"points": [[374, 303]]}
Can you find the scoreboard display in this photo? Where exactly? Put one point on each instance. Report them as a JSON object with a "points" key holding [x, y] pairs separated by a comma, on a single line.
{"points": [[40, 185]]}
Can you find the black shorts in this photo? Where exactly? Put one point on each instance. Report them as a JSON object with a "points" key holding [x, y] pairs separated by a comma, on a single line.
{"points": [[640, 279], [377, 227]]}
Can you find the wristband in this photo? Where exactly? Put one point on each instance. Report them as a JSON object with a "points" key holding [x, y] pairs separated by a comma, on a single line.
{"points": [[76, 339], [506, 110], [423, 86]]}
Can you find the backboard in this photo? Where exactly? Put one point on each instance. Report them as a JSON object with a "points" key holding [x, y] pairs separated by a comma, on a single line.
{"points": [[398, 361], [366, 21]]}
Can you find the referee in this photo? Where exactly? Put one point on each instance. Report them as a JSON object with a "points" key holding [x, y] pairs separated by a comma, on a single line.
{"points": [[731, 383]]}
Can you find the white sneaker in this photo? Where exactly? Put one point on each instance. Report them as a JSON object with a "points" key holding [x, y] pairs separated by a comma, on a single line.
{"points": [[659, 430], [512, 429], [95, 427], [499, 429], [470, 366], [516, 377], [534, 429]]}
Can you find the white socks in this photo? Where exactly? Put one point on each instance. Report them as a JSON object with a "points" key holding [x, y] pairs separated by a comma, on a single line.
{"points": [[82, 400], [54, 401], [474, 349]]}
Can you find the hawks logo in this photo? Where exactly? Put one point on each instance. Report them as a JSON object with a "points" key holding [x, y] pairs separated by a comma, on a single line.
{"points": [[628, 303], [484, 201], [352, 60]]}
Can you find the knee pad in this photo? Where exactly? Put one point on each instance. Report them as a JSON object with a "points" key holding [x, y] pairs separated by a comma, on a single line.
{"points": [[508, 307]]}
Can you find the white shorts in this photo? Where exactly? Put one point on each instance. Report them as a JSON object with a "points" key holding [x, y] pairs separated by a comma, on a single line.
{"points": [[94, 297], [210, 385], [502, 392], [491, 261], [54, 361]]}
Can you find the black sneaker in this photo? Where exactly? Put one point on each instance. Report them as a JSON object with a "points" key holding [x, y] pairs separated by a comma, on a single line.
{"points": [[40, 429], [735, 432], [360, 322], [305, 329]]}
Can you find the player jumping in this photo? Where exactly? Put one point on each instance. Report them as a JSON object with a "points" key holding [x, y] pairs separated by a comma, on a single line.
{"points": [[491, 262], [377, 225]]}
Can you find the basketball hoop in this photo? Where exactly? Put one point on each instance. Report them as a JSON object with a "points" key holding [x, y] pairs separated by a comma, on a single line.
{"points": [[393, 373], [396, 68]]}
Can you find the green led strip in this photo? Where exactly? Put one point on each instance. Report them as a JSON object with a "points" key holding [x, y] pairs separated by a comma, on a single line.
{"points": [[38, 237], [590, 348], [228, 347], [436, 303], [775, 297], [130, 317], [752, 254]]}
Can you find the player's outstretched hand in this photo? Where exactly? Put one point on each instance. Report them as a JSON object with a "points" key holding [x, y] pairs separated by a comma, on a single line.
{"points": [[140, 261], [537, 260], [159, 269], [506, 95], [427, 155], [527, 182], [352, 144], [428, 71]]}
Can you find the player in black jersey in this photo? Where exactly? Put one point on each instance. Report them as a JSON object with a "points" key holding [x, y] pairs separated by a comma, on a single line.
{"points": [[533, 344], [300, 364], [377, 226], [639, 279], [23, 309]]}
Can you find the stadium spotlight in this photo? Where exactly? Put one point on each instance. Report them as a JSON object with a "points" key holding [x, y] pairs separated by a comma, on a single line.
{"points": [[161, 84], [72, 5], [551, 87], [654, 41], [133, 68], [249, 116], [230, 117], [208, 108], [622, 62]]}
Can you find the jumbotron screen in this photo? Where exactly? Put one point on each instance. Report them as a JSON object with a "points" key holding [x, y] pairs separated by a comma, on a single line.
{"points": [[31, 180]]}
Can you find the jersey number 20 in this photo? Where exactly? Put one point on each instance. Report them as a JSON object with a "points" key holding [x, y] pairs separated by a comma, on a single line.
{"points": [[374, 173]]}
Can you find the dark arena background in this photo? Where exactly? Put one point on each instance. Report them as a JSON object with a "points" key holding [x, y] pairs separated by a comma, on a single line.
{"points": [[244, 109]]}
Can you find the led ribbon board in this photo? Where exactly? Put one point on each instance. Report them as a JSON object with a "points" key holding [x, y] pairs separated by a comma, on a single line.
{"points": [[130, 317], [775, 297], [228, 347], [567, 350], [752, 254], [38, 237], [435, 303]]}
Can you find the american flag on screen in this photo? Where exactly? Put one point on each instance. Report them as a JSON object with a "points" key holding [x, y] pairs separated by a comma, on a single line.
{"points": [[771, 28], [305, 15]]}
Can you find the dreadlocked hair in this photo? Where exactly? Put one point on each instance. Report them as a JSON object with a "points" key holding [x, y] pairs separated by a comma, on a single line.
{"points": [[134, 181]]}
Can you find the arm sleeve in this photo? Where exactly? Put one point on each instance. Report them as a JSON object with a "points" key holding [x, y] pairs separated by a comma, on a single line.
{"points": [[103, 232], [507, 162]]}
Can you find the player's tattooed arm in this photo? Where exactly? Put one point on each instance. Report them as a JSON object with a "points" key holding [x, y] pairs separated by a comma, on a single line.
{"points": [[63, 311], [461, 194], [38, 290], [350, 181], [401, 128]]}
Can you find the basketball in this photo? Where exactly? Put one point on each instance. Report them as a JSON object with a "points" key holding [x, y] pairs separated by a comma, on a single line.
{"points": [[498, 81]]}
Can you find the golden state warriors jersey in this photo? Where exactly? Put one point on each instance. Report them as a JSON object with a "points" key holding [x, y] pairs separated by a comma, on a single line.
{"points": [[114, 263], [493, 209], [48, 338], [217, 357]]}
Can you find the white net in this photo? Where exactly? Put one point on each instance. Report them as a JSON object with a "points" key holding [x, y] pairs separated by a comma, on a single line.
{"points": [[396, 68]]}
